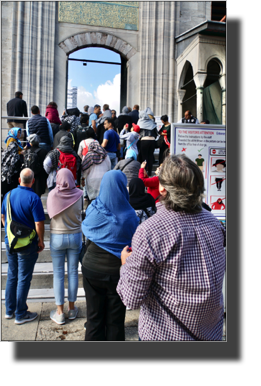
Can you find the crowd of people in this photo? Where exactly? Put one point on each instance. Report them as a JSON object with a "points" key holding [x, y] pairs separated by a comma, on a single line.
{"points": [[150, 244]]}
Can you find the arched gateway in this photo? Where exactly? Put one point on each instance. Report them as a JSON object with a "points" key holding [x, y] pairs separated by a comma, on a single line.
{"points": [[103, 40]]}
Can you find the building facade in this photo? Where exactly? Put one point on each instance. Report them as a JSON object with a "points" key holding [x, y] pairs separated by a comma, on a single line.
{"points": [[173, 53], [72, 97]]}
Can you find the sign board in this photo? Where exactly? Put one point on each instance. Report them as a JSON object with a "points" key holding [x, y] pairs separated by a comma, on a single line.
{"points": [[206, 146]]}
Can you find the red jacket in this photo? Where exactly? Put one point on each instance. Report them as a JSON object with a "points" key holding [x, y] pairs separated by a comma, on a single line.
{"points": [[152, 183], [52, 114]]}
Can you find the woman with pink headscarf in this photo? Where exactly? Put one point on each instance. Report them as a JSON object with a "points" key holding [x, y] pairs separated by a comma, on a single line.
{"points": [[64, 205]]}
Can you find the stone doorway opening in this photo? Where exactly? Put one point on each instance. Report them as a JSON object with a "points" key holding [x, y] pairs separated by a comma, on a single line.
{"points": [[102, 40], [99, 76]]}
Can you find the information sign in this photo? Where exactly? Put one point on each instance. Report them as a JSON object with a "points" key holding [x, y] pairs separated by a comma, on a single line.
{"points": [[206, 146]]}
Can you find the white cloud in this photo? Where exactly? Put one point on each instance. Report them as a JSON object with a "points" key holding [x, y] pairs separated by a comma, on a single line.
{"points": [[106, 93], [109, 93], [84, 98]]}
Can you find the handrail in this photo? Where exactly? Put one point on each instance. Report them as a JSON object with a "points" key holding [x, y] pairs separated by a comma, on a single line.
{"points": [[16, 118], [10, 128]]}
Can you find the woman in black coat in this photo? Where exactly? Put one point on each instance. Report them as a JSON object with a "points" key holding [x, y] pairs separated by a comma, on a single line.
{"points": [[40, 174]]}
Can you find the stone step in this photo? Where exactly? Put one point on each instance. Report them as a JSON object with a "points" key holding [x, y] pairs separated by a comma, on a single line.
{"points": [[47, 294], [42, 276], [47, 234], [44, 256]]}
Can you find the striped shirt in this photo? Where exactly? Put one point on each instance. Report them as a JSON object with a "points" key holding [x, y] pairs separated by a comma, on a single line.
{"points": [[175, 274]]}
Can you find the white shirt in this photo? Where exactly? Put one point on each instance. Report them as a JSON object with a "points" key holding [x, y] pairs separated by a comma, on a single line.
{"points": [[83, 144]]}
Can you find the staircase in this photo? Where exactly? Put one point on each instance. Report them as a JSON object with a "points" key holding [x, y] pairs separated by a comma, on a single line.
{"points": [[42, 282]]}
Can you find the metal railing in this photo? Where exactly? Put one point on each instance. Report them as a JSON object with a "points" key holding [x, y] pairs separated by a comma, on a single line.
{"points": [[15, 119]]}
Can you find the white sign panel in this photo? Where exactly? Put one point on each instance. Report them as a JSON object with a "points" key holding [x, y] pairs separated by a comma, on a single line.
{"points": [[206, 146]]}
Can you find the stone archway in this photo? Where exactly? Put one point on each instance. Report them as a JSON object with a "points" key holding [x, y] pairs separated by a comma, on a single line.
{"points": [[102, 40], [97, 39]]}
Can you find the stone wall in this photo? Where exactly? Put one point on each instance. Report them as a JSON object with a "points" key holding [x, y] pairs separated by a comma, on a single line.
{"points": [[28, 52]]}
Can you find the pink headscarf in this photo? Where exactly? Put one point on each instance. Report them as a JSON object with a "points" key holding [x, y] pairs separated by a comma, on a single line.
{"points": [[64, 194]]}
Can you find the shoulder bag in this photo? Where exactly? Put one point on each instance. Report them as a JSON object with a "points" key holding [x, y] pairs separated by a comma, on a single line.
{"points": [[19, 236]]}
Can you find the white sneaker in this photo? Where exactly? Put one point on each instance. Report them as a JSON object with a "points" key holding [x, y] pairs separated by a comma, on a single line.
{"points": [[58, 319], [9, 316], [73, 313]]}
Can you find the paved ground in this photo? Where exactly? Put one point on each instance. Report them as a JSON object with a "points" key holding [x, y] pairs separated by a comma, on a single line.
{"points": [[44, 329]]}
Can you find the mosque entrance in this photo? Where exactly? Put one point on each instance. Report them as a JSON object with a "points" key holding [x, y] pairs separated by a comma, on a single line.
{"points": [[96, 75]]}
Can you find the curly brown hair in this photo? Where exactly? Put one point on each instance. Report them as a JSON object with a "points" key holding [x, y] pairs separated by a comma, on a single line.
{"points": [[184, 183]]}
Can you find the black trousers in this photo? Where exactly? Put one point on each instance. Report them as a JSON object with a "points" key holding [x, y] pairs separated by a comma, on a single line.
{"points": [[105, 311], [147, 148]]}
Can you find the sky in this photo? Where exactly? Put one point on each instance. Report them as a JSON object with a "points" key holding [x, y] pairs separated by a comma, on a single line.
{"points": [[97, 83]]}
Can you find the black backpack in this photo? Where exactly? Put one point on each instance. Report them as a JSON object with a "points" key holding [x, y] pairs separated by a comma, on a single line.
{"points": [[32, 161]]}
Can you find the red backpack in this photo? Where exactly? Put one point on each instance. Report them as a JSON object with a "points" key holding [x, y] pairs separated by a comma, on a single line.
{"points": [[68, 161]]}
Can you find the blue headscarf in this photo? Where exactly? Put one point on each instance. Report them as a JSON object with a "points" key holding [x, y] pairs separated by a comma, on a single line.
{"points": [[13, 134], [110, 220]]}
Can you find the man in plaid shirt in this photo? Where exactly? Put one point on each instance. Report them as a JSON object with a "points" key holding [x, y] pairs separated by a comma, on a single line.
{"points": [[176, 268]]}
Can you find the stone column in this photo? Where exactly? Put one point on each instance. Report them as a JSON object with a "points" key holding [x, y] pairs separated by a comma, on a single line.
{"points": [[200, 103], [181, 94], [222, 82], [199, 81], [157, 39]]}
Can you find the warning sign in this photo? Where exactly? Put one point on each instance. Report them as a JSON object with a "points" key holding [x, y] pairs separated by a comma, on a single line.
{"points": [[207, 148]]}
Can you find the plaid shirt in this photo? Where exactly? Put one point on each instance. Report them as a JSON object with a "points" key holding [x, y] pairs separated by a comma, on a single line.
{"points": [[175, 274]]}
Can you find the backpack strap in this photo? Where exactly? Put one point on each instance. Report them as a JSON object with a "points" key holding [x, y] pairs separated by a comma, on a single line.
{"points": [[131, 144], [9, 220], [38, 150], [8, 208], [127, 163]]}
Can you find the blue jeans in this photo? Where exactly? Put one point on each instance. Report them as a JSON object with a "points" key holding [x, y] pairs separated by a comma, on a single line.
{"points": [[61, 245], [19, 276], [113, 159]]}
